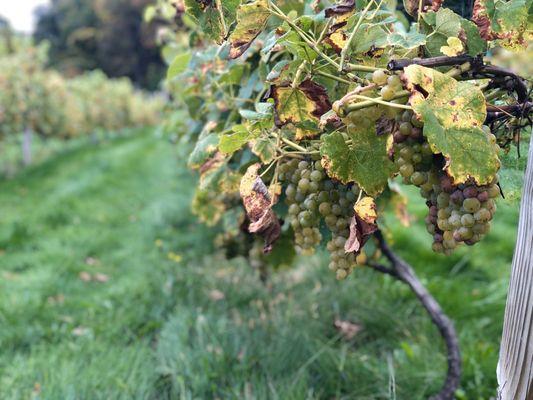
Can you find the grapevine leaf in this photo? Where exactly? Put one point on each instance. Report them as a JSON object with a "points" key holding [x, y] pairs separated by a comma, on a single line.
{"points": [[341, 9], [365, 160], [301, 106], [454, 47], [407, 40], [214, 22], [179, 65], [445, 23], [258, 205], [207, 206], [362, 224], [453, 113], [505, 21], [251, 20], [205, 147], [264, 148], [230, 143]]}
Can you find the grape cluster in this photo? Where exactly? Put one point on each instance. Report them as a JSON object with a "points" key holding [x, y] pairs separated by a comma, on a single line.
{"points": [[312, 197], [391, 84], [457, 213]]}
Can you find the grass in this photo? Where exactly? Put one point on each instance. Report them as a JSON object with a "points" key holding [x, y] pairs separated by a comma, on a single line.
{"points": [[110, 289]]}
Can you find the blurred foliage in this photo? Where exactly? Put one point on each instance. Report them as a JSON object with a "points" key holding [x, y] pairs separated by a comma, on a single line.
{"points": [[50, 105], [101, 34]]}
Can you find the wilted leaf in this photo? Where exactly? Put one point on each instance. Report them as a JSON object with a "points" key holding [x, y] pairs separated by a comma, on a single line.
{"points": [[365, 160], [362, 224], [453, 113], [258, 205], [508, 22], [342, 8], [251, 20], [302, 106]]}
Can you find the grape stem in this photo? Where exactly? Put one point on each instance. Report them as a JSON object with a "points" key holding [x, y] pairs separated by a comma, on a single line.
{"points": [[402, 271]]}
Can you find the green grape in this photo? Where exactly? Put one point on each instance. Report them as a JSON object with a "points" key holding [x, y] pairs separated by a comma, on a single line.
{"points": [[324, 208], [387, 93], [471, 205], [379, 77], [394, 81], [407, 170]]}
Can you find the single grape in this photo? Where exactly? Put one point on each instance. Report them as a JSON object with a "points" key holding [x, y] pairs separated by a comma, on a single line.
{"points": [[379, 77]]}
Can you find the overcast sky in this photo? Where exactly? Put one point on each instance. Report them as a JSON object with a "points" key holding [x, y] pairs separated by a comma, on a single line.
{"points": [[20, 13]]}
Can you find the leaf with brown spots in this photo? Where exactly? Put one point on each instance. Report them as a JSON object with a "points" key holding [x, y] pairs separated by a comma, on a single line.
{"points": [[251, 20], [506, 21], [364, 160], [258, 205], [453, 113], [301, 106], [362, 225]]}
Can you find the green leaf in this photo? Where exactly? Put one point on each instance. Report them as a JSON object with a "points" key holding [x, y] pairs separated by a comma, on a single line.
{"points": [[365, 160], [205, 147], [251, 20], [453, 113], [241, 135], [214, 22], [179, 65], [301, 106], [511, 176], [441, 25], [407, 40], [265, 148]]}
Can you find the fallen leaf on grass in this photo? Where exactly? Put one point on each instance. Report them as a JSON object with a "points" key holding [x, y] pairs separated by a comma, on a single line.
{"points": [[216, 295], [85, 276], [347, 329], [102, 278]]}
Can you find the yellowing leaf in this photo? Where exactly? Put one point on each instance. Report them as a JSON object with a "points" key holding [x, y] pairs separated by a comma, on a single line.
{"points": [[301, 106], [453, 113], [455, 47], [251, 19]]}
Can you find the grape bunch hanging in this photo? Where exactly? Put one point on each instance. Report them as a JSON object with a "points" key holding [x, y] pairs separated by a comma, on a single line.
{"points": [[312, 197]]}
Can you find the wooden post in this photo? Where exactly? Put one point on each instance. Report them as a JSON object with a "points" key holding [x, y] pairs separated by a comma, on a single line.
{"points": [[515, 367]]}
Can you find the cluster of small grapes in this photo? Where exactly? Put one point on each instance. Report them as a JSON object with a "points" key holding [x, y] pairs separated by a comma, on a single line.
{"points": [[312, 196], [457, 213], [391, 84]]}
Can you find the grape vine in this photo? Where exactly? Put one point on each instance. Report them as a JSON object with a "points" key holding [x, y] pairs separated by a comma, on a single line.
{"points": [[327, 106]]}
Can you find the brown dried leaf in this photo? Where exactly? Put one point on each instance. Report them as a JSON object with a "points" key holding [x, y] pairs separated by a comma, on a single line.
{"points": [[481, 18], [362, 224], [341, 8], [102, 278], [216, 295], [258, 205], [85, 276], [347, 329]]}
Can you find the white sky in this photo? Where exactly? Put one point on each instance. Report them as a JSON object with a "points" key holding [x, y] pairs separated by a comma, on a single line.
{"points": [[20, 13]]}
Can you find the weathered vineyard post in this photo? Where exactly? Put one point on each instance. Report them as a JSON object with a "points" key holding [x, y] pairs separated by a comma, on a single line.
{"points": [[515, 367]]}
